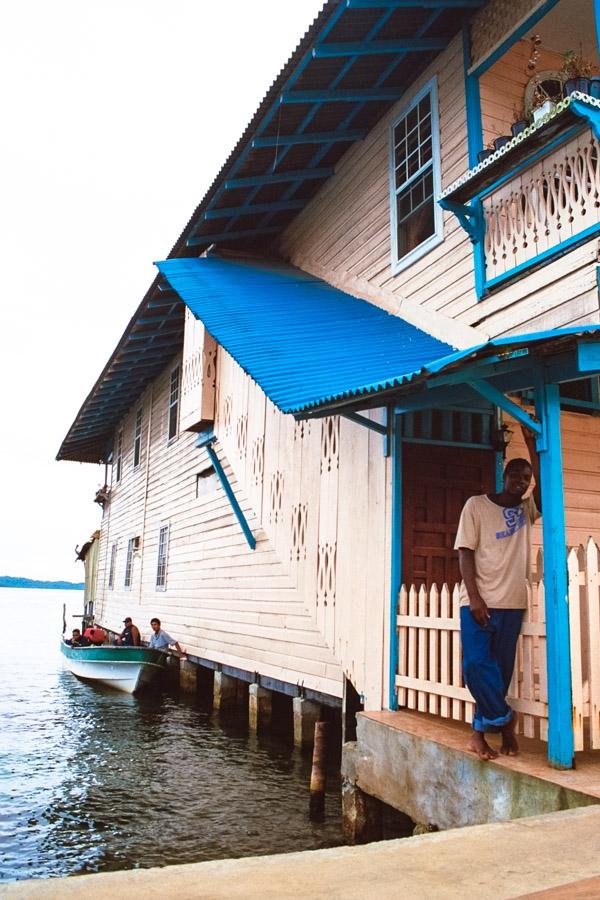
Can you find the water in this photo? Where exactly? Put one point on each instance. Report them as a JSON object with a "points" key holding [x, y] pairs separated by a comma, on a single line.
{"points": [[92, 780]]}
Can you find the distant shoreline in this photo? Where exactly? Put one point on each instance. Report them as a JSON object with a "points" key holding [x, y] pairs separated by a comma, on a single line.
{"points": [[8, 581]]}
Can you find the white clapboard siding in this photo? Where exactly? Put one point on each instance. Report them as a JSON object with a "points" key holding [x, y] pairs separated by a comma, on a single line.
{"points": [[291, 609]]}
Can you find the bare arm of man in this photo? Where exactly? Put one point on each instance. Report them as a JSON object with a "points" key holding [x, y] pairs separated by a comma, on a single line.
{"points": [[477, 605], [529, 438]]}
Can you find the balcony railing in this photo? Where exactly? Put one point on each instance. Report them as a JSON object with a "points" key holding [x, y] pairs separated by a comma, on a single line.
{"points": [[429, 675], [534, 199], [553, 201]]}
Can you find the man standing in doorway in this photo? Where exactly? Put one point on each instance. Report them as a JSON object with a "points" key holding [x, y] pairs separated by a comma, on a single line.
{"points": [[493, 543]]}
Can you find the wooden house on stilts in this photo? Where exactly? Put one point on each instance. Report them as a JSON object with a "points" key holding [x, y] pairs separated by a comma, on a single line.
{"points": [[396, 266]]}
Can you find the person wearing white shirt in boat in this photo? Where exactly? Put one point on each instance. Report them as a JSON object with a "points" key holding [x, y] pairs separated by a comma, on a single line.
{"points": [[160, 640]]}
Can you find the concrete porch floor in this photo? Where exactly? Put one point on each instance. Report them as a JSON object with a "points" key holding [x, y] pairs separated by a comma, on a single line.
{"points": [[532, 759]]}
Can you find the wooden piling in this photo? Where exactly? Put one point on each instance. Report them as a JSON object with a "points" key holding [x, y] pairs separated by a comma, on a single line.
{"points": [[318, 777]]}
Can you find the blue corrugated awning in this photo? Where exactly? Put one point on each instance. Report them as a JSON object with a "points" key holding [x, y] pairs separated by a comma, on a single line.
{"points": [[303, 341]]}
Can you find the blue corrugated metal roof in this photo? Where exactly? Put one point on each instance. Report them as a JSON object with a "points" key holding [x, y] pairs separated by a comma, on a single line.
{"points": [[302, 340]]}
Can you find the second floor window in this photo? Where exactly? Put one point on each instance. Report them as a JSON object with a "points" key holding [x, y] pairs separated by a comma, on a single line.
{"points": [[119, 457], [163, 550], [415, 180], [137, 439], [129, 562], [173, 426], [112, 567]]}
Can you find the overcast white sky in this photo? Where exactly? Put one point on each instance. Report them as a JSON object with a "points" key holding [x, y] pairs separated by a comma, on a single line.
{"points": [[116, 116]]}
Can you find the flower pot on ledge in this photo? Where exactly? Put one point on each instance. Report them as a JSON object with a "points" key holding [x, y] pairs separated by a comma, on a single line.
{"points": [[500, 142], [576, 84], [519, 127], [540, 112]]}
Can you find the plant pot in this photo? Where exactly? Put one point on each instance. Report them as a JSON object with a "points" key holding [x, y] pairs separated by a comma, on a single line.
{"points": [[519, 127], [576, 84], [484, 154], [500, 142], [595, 86], [542, 111]]}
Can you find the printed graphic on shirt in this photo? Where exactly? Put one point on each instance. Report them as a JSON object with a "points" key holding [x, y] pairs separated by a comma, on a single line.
{"points": [[514, 517]]}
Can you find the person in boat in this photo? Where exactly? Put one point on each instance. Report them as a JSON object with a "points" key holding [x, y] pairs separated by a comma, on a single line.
{"points": [[130, 636], [493, 543], [160, 640], [78, 639]]}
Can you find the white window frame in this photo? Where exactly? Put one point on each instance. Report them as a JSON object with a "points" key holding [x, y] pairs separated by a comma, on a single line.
{"points": [[176, 404], [137, 437], [161, 578], [128, 579], [112, 566], [118, 467], [399, 265]]}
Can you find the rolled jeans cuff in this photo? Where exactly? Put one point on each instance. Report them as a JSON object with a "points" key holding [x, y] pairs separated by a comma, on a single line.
{"points": [[480, 723]]}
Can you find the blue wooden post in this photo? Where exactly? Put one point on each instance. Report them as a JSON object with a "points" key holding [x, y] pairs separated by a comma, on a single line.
{"points": [[560, 723], [396, 575]]}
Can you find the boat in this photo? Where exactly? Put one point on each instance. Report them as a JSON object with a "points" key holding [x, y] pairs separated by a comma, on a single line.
{"points": [[126, 669]]}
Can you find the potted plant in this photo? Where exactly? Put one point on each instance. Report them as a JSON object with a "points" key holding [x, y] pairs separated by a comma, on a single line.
{"points": [[542, 105], [576, 72]]}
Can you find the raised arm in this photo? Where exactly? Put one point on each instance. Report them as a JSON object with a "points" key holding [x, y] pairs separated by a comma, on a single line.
{"points": [[529, 438]]}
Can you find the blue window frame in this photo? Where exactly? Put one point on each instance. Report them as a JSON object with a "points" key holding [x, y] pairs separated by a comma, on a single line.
{"points": [[415, 182]]}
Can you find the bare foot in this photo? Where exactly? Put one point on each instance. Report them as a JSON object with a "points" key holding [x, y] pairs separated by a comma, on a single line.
{"points": [[480, 746], [510, 746]]}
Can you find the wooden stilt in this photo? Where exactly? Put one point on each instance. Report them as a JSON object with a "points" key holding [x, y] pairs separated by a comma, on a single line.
{"points": [[318, 777]]}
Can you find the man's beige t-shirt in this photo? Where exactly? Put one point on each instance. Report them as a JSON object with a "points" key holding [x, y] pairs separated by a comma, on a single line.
{"points": [[501, 538]]}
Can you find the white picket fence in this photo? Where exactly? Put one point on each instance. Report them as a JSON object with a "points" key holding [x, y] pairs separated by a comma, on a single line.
{"points": [[429, 675]]}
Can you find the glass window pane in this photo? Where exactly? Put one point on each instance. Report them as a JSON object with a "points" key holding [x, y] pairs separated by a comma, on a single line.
{"points": [[415, 214]]}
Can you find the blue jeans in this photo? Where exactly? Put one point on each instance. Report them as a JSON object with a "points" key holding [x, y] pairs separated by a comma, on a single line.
{"points": [[488, 659]]}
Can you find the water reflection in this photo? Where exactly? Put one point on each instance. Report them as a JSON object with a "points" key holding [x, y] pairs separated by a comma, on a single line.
{"points": [[93, 780]]}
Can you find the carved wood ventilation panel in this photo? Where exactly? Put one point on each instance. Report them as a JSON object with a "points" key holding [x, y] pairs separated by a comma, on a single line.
{"points": [[241, 434], [227, 414], [330, 443], [326, 564], [258, 460], [276, 502], [299, 518], [301, 430]]}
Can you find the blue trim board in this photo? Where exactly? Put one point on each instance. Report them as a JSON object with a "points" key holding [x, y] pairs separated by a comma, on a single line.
{"points": [[546, 257], [205, 441], [396, 550], [560, 723], [473, 101]]}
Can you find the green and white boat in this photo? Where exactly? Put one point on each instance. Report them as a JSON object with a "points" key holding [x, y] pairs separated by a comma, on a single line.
{"points": [[124, 668]]}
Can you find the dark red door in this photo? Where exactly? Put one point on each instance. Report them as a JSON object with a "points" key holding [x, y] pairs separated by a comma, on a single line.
{"points": [[436, 483]]}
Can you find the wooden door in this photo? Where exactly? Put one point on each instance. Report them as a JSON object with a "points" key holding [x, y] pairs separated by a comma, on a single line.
{"points": [[436, 483]]}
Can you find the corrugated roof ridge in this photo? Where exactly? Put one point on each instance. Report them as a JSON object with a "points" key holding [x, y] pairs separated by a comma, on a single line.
{"points": [[276, 86]]}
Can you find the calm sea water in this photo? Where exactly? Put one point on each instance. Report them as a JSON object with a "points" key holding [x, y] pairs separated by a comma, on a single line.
{"points": [[92, 780]]}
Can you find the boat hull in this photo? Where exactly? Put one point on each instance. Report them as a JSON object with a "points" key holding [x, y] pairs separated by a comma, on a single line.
{"points": [[126, 669]]}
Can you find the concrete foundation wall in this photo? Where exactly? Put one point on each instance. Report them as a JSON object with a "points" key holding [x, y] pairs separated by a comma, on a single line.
{"points": [[439, 785]]}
